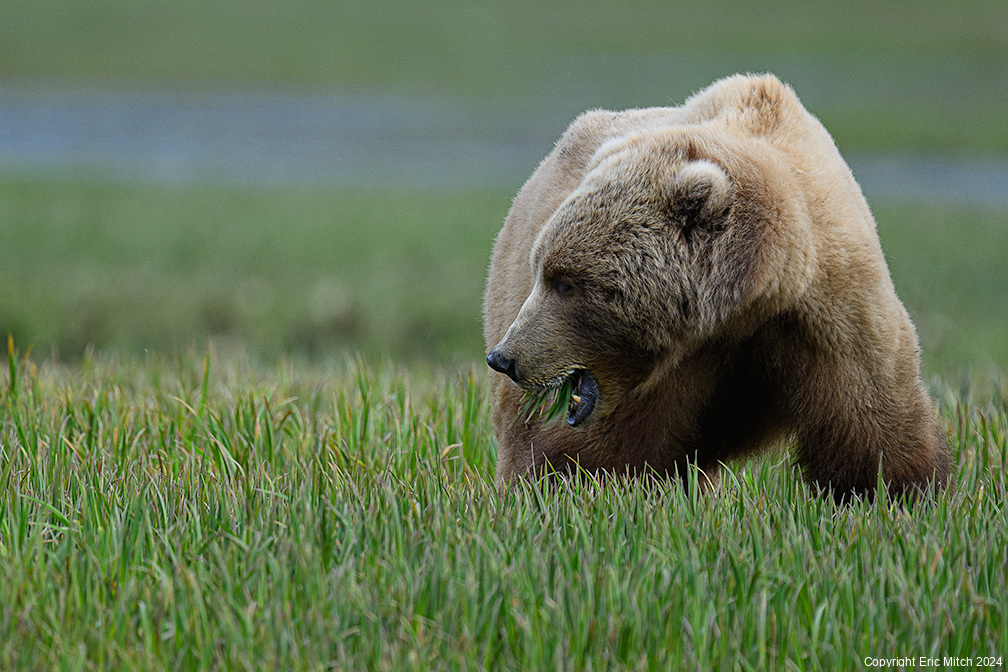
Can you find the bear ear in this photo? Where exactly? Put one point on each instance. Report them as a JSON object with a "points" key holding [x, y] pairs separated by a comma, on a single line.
{"points": [[699, 193]]}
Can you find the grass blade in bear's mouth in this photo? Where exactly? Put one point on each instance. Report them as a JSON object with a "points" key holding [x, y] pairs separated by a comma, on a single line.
{"points": [[577, 394], [583, 397], [548, 402]]}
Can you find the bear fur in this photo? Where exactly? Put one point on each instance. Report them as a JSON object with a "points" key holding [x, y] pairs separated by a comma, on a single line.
{"points": [[709, 279]]}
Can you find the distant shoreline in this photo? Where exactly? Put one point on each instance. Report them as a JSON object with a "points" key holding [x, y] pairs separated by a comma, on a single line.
{"points": [[281, 139]]}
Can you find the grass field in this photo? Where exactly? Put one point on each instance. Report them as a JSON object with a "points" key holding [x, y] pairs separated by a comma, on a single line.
{"points": [[208, 512], [311, 271], [252, 431]]}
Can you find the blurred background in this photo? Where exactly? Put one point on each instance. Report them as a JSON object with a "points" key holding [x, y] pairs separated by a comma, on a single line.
{"points": [[316, 177]]}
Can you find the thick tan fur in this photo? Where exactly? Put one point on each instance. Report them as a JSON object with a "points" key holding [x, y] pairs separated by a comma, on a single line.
{"points": [[717, 269]]}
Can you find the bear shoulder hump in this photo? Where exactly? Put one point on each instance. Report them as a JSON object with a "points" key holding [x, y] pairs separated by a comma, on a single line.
{"points": [[758, 103]]}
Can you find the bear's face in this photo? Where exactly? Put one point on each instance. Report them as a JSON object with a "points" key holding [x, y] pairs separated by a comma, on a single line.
{"points": [[625, 275]]}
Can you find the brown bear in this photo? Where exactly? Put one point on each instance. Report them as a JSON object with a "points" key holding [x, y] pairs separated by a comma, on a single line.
{"points": [[708, 281]]}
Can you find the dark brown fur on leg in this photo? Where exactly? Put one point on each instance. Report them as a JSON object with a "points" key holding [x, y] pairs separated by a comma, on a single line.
{"points": [[848, 443]]}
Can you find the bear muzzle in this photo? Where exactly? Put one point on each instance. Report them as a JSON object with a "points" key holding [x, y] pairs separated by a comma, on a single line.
{"points": [[498, 362], [585, 391]]}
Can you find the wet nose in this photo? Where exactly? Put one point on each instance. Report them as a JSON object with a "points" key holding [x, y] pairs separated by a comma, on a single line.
{"points": [[499, 362]]}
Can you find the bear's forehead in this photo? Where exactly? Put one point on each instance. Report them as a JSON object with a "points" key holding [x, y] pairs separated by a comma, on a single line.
{"points": [[597, 225], [620, 201], [604, 208]]}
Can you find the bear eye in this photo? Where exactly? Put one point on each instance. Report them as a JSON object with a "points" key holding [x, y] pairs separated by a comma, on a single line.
{"points": [[562, 287]]}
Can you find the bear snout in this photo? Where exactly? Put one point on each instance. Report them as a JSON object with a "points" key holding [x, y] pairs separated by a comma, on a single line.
{"points": [[502, 364]]}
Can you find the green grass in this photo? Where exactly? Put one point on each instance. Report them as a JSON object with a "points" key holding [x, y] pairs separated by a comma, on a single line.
{"points": [[281, 504], [920, 75], [285, 270], [947, 263], [211, 512]]}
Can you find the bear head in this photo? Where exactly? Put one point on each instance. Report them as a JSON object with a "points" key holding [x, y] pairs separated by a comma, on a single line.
{"points": [[662, 246]]}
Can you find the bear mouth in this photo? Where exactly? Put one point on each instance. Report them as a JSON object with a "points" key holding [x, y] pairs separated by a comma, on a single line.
{"points": [[583, 396], [576, 391]]}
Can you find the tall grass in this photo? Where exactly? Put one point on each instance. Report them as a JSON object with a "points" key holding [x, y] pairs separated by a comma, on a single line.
{"points": [[208, 512]]}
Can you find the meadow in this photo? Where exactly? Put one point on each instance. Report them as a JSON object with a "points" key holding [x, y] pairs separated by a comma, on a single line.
{"points": [[287, 494], [203, 512], [247, 427]]}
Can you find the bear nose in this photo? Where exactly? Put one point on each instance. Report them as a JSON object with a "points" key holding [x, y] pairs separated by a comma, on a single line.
{"points": [[499, 362]]}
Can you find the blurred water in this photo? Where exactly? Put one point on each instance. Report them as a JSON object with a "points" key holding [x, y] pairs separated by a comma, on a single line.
{"points": [[294, 139]]}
